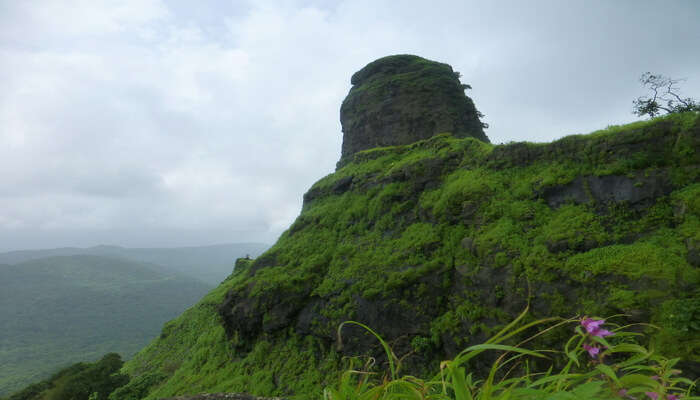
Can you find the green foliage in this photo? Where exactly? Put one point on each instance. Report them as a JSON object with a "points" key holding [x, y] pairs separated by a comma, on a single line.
{"points": [[59, 310], [98, 380], [137, 388], [458, 235], [633, 370], [427, 98], [193, 354], [664, 97], [81, 381], [574, 224], [626, 260]]}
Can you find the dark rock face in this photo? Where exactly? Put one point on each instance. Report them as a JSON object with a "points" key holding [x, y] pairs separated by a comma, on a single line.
{"points": [[250, 316], [693, 256], [639, 189], [401, 99]]}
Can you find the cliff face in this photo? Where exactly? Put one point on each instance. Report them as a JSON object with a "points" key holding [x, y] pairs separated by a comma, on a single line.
{"points": [[435, 243], [435, 240], [401, 99]]}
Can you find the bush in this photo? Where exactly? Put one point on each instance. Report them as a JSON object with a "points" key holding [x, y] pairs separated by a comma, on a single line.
{"points": [[599, 363]]}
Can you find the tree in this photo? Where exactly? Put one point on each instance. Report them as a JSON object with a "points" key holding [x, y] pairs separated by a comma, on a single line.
{"points": [[664, 97], [97, 380]]}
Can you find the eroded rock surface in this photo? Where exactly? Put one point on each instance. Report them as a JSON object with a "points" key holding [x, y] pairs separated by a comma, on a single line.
{"points": [[401, 99]]}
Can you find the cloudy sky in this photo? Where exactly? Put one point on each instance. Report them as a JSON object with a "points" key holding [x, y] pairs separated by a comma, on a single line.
{"points": [[170, 123]]}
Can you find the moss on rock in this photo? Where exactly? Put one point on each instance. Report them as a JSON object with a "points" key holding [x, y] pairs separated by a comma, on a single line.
{"points": [[437, 243], [401, 99]]}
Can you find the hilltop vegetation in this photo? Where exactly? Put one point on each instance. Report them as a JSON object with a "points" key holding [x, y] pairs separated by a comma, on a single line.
{"points": [[79, 381], [59, 310], [401, 99], [438, 244]]}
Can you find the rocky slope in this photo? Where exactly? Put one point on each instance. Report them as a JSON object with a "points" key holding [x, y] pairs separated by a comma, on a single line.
{"points": [[402, 99], [436, 243]]}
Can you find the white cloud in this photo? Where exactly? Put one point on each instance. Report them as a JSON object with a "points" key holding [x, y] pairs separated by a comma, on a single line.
{"points": [[157, 123], [81, 18]]}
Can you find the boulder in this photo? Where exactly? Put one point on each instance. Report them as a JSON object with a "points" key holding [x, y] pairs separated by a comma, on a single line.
{"points": [[402, 99]]}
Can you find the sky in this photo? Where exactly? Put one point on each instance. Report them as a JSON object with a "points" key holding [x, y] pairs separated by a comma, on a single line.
{"points": [[148, 123]]}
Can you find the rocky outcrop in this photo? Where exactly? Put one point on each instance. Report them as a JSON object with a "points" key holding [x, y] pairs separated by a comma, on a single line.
{"points": [[401, 99], [476, 276]]}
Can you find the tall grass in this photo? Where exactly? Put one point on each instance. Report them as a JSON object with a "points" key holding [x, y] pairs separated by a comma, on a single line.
{"points": [[595, 364]]}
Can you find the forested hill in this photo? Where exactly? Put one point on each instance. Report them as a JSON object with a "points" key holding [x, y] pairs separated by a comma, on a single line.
{"points": [[59, 310], [210, 264]]}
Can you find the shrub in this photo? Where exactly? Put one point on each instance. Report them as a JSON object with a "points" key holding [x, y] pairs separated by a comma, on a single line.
{"points": [[601, 361]]}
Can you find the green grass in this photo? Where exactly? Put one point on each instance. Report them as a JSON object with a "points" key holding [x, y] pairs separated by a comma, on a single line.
{"points": [[621, 369], [455, 236]]}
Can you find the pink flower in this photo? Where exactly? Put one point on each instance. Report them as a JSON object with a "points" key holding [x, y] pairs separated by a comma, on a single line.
{"points": [[592, 326], [652, 395], [592, 350], [602, 333]]}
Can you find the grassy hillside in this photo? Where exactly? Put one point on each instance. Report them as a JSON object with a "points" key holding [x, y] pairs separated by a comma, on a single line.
{"points": [[439, 243], [79, 381], [210, 264], [60, 310]]}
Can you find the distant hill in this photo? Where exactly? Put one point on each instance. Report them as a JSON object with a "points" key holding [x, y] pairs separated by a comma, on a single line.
{"points": [[210, 264], [57, 310]]}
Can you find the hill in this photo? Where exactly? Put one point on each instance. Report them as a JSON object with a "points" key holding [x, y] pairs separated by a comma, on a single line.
{"points": [[64, 309], [210, 264], [436, 244]]}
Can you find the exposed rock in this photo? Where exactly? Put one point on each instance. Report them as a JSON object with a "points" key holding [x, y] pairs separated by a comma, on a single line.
{"points": [[558, 246], [693, 256], [250, 316], [343, 185], [401, 99], [638, 189], [438, 244], [468, 244]]}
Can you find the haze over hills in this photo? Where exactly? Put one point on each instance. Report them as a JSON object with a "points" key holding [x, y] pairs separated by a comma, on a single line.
{"points": [[63, 309], [210, 264]]}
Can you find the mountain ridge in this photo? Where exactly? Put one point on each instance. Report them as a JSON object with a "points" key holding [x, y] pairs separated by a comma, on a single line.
{"points": [[63, 309], [210, 264], [437, 243]]}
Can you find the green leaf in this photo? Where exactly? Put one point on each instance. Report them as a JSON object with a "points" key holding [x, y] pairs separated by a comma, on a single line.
{"points": [[389, 353], [628, 348], [553, 378], [608, 372], [573, 357], [587, 390], [638, 380], [459, 382]]}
